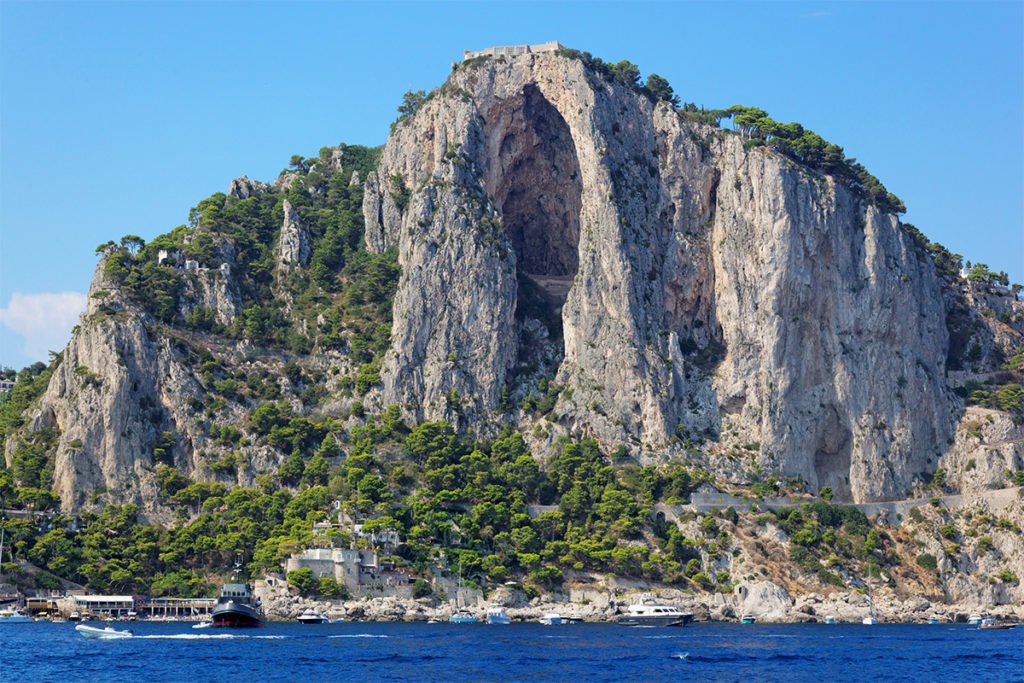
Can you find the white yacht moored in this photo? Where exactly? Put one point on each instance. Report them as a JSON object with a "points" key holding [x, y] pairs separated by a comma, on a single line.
{"points": [[311, 617], [648, 612], [551, 619]]}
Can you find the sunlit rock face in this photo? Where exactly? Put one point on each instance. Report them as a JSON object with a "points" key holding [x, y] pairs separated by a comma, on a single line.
{"points": [[702, 292]]}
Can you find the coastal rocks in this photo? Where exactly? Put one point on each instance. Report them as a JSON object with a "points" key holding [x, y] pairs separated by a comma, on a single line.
{"points": [[764, 600]]}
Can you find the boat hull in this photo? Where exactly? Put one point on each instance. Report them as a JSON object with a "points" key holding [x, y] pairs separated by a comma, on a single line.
{"points": [[15, 618], [462, 619], [235, 615], [102, 633], [655, 619]]}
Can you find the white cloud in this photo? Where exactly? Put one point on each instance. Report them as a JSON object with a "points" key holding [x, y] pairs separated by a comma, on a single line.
{"points": [[43, 320]]}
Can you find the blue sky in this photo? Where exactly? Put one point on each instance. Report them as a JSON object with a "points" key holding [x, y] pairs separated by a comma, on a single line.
{"points": [[118, 117]]}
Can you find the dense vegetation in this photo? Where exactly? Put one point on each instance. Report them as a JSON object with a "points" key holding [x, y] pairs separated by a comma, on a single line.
{"points": [[441, 491], [810, 149], [342, 300], [28, 481]]}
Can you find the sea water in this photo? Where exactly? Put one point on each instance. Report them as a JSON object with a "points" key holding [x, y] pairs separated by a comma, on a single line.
{"points": [[360, 651]]}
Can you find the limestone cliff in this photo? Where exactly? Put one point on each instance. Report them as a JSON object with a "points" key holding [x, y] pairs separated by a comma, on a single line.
{"points": [[666, 288], [703, 291]]}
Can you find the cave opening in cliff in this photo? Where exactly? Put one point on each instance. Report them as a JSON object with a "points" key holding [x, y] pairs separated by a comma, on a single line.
{"points": [[534, 176]]}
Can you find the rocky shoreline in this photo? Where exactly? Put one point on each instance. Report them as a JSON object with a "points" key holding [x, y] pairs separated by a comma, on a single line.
{"points": [[764, 600]]}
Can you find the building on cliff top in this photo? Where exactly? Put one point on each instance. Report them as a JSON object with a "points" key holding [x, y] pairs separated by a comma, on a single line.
{"points": [[512, 50]]}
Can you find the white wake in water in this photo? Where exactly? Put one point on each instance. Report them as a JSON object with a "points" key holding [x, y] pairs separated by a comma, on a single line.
{"points": [[208, 636]]}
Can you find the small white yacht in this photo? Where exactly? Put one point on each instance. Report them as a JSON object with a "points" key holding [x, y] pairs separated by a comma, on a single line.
{"points": [[648, 612], [551, 619], [13, 616], [974, 619], [106, 633], [869, 621], [497, 615], [311, 617]]}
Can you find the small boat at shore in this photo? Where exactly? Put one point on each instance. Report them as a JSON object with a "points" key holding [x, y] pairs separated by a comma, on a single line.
{"points": [[648, 612], [748, 619], [108, 632], [463, 616], [975, 619], [497, 615], [830, 619], [13, 616], [990, 624], [551, 619], [203, 624], [311, 617]]}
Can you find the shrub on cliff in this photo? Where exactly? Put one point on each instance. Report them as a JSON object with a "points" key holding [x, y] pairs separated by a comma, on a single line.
{"points": [[303, 581], [927, 561]]}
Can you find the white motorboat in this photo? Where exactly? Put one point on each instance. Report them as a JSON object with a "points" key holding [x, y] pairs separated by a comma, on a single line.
{"points": [[106, 633], [203, 624], [830, 619], [497, 615], [551, 619], [975, 619], [648, 612], [869, 621], [13, 616], [311, 617]]}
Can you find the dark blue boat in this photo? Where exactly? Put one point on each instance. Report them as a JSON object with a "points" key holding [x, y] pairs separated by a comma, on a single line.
{"points": [[236, 607]]}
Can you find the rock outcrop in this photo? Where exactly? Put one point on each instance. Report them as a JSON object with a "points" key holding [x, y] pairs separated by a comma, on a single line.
{"points": [[293, 247], [714, 293]]}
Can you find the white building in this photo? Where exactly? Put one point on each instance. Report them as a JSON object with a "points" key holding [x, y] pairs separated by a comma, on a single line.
{"points": [[512, 50], [111, 605], [345, 565]]}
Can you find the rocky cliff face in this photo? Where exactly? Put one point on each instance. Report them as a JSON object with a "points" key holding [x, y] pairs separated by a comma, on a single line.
{"points": [[668, 291], [714, 293]]}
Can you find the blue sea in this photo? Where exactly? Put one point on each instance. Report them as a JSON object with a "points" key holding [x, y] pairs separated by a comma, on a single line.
{"points": [[530, 652]]}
